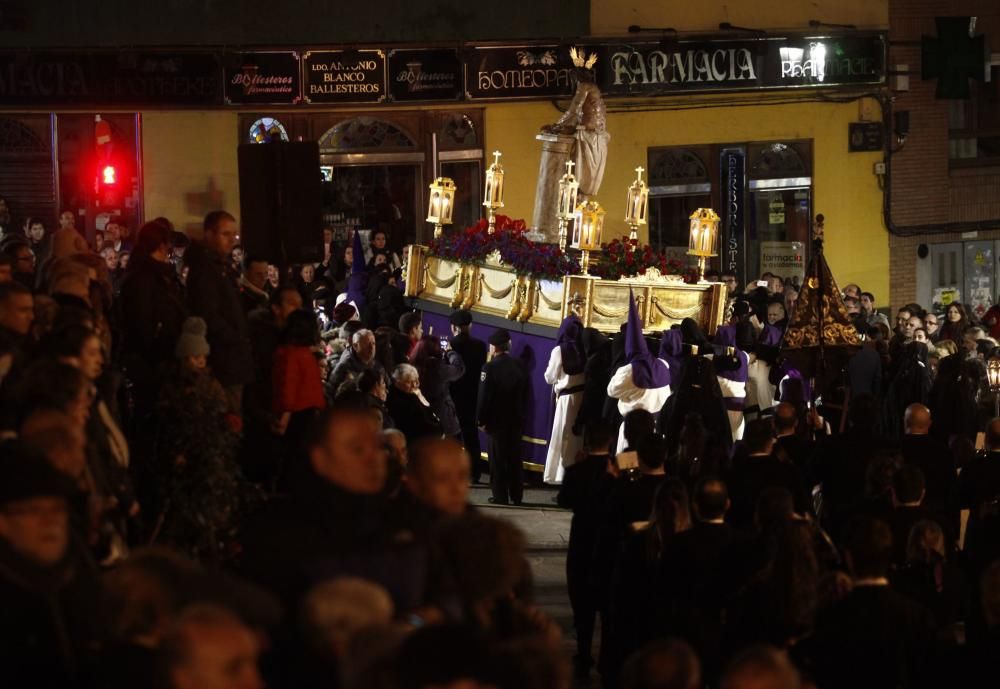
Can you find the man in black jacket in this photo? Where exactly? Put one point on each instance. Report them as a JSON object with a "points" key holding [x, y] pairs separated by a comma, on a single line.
{"points": [[465, 390], [337, 520], [51, 628], [697, 579], [212, 294], [152, 309], [760, 470], [585, 488], [874, 637], [979, 492], [500, 411], [932, 456]]}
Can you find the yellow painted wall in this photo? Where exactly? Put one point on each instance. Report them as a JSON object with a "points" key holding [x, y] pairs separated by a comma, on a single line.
{"points": [[845, 189], [189, 165], [613, 17]]}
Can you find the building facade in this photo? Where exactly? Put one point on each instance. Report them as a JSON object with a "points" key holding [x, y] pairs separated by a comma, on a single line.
{"points": [[768, 152], [945, 177]]}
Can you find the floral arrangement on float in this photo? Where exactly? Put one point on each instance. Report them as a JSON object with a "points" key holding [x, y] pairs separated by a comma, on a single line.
{"points": [[508, 245], [626, 258], [618, 259]]}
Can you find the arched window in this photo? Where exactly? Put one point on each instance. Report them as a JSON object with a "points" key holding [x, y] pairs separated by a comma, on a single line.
{"points": [[679, 183], [15, 137], [778, 160], [458, 131], [675, 166], [267, 129], [365, 134]]}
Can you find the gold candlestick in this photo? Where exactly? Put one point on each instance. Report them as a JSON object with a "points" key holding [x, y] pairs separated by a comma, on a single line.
{"points": [[493, 193], [568, 191], [636, 206]]}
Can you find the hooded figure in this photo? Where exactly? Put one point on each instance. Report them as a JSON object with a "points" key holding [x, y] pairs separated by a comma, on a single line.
{"points": [[760, 389], [697, 392], [565, 374], [359, 275], [644, 381], [672, 351], [732, 371]]}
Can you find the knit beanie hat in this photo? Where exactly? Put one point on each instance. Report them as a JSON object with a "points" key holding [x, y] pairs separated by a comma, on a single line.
{"points": [[192, 341]]}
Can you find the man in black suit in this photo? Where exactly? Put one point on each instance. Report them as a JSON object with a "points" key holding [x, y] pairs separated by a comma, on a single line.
{"points": [[465, 390], [874, 637], [790, 445], [841, 463], [500, 411], [979, 492], [979, 658], [694, 560], [908, 509], [759, 470], [931, 455]]}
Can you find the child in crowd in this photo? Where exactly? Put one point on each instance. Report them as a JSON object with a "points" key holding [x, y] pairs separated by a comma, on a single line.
{"points": [[202, 490], [297, 381]]}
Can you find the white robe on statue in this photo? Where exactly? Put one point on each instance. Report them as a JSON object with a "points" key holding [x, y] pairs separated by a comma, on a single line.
{"points": [[630, 396], [564, 446]]}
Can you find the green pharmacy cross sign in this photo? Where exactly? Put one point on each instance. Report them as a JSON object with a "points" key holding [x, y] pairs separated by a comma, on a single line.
{"points": [[954, 57]]}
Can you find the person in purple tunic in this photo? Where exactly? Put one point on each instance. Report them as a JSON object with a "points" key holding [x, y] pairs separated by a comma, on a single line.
{"points": [[732, 370], [565, 374], [644, 381]]}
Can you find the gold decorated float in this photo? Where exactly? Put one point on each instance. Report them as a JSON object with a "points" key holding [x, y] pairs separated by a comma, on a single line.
{"points": [[495, 289], [488, 286]]}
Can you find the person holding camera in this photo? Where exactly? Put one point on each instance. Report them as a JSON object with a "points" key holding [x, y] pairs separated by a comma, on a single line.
{"points": [[439, 366]]}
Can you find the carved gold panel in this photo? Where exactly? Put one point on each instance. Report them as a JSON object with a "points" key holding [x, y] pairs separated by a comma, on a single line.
{"points": [[494, 289]]}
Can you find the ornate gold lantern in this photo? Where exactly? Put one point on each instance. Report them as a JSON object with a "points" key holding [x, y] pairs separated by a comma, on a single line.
{"points": [[704, 233], [636, 205], [569, 189], [493, 195], [588, 227], [441, 203]]}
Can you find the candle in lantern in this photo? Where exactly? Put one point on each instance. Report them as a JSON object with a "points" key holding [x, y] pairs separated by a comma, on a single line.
{"points": [[441, 203], [569, 189], [704, 230], [588, 226], [636, 205], [493, 193]]}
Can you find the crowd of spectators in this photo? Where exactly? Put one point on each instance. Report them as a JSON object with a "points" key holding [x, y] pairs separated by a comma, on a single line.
{"points": [[218, 473]]}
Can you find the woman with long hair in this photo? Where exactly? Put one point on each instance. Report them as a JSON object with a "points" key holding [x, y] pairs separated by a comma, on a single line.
{"points": [[779, 606], [956, 320], [928, 576], [438, 368], [641, 605], [340, 267]]}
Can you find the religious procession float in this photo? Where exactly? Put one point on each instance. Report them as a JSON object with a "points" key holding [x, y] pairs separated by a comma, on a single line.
{"points": [[528, 278]]}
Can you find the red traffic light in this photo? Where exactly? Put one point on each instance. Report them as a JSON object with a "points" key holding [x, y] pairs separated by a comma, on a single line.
{"points": [[109, 175]]}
